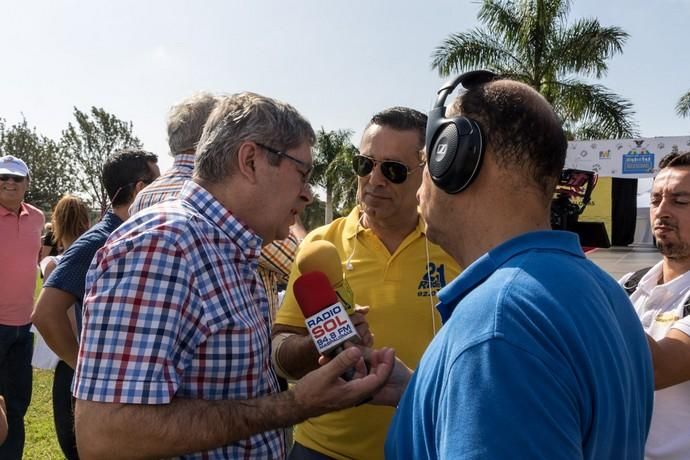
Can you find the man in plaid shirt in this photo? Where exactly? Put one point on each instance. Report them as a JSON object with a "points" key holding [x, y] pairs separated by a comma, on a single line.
{"points": [[175, 349]]}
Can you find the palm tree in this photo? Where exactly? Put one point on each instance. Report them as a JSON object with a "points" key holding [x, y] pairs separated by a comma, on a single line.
{"points": [[333, 170], [529, 41], [683, 105]]}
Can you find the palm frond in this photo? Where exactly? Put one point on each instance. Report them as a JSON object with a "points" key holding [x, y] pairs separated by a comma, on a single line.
{"points": [[539, 20], [683, 105], [333, 166], [589, 131], [501, 18], [328, 146], [472, 50], [585, 46], [595, 104], [530, 41]]}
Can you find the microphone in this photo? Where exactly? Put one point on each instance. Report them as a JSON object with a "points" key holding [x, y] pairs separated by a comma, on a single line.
{"points": [[327, 321], [322, 256]]}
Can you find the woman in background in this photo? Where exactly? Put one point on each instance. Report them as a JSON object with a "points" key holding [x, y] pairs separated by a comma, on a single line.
{"points": [[70, 219]]}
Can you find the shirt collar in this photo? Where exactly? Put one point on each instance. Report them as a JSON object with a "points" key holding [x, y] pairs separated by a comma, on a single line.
{"points": [[194, 195], [651, 279], [111, 219], [23, 210], [183, 161], [353, 226], [487, 264]]}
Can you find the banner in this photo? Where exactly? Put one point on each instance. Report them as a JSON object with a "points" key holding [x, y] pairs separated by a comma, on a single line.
{"points": [[627, 158], [600, 205]]}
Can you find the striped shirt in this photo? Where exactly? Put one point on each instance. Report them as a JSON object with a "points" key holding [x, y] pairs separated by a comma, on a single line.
{"points": [[174, 309], [166, 186], [275, 264], [276, 258]]}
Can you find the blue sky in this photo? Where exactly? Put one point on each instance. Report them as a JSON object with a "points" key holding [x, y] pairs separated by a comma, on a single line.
{"points": [[337, 62]]}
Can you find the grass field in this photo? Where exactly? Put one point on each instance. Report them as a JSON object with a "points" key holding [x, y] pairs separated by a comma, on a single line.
{"points": [[41, 442]]}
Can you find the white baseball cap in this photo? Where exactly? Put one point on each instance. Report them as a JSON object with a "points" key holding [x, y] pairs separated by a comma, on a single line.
{"points": [[14, 166]]}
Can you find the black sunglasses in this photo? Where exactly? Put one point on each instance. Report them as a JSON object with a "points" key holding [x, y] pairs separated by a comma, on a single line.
{"points": [[394, 171], [15, 179]]}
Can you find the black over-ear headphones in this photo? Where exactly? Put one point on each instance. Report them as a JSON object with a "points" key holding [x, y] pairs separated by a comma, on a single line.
{"points": [[455, 146]]}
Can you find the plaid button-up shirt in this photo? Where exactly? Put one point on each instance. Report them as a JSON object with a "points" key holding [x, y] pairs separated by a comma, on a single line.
{"points": [[167, 186], [174, 309]]}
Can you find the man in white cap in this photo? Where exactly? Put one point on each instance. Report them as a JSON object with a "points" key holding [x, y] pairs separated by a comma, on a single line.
{"points": [[20, 243]]}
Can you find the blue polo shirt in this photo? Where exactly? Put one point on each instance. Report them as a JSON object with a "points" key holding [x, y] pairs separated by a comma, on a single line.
{"points": [[541, 356], [70, 273]]}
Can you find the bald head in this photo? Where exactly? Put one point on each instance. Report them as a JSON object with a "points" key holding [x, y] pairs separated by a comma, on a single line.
{"points": [[522, 132]]}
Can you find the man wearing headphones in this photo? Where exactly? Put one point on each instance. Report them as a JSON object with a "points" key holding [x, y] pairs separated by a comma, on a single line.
{"points": [[390, 267], [541, 355]]}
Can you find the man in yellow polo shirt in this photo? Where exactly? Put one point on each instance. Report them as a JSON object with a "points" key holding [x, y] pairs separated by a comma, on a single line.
{"points": [[390, 266]]}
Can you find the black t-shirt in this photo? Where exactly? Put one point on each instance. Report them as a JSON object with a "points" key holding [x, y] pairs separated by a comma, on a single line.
{"points": [[48, 240]]}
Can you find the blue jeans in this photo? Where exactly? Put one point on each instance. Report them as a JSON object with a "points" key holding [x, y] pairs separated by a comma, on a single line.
{"points": [[16, 348]]}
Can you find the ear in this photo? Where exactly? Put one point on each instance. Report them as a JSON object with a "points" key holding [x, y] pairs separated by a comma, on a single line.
{"points": [[138, 187], [247, 157]]}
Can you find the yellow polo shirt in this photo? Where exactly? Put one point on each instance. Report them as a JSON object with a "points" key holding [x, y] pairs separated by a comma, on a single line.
{"points": [[401, 315]]}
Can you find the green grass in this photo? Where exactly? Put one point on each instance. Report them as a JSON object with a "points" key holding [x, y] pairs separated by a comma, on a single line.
{"points": [[41, 441]]}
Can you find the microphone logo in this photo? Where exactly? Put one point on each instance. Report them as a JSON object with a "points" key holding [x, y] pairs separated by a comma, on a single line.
{"points": [[330, 327]]}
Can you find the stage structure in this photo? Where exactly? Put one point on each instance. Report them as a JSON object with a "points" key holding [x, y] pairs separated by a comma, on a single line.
{"points": [[618, 164]]}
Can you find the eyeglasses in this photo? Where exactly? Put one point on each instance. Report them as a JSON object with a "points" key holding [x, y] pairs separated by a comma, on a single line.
{"points": [[306, 175], [15, 179], [394, 171]]}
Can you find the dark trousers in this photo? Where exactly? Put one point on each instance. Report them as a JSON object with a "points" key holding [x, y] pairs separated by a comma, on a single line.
{"points": [[16, 347], [299, 452], [63, 410]]}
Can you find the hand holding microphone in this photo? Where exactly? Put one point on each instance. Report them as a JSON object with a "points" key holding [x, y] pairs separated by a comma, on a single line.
{"points": [[323, 390], [322, 256], [328, 323]]}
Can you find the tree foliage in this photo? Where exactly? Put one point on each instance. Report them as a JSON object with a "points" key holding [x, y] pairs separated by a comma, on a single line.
{"points": [[89, 142], [49, 169], [333, 171], [683, 105], [313, 215], [530, 41]]}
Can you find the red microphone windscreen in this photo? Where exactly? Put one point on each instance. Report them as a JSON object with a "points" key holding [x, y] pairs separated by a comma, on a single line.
{"points": [[313, 292]]}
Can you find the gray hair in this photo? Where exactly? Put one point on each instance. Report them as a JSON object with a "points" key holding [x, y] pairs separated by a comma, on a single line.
{"points": [[247, 117], [186, 121]]}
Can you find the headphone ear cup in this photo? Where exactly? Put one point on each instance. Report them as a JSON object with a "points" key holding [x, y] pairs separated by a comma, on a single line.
{"points": [[456, 154]]}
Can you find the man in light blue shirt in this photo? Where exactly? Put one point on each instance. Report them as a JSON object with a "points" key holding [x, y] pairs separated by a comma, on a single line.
{"points": [[541, 355]]}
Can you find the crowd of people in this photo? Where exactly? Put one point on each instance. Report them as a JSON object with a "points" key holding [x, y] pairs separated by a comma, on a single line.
{"points": [[483, 334]]}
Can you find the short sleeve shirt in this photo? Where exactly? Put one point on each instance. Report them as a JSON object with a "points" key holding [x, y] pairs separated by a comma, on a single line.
{"points": [[174, 309], [70, 273], [541, 356], [20, 242]]}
